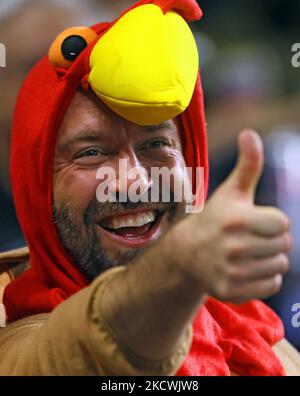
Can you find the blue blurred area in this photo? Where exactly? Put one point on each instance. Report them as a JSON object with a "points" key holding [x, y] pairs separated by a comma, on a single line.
{"points": [[10, 233]]}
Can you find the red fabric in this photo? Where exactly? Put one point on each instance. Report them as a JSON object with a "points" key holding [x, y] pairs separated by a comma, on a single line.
{"points": [[229, 338], [225, 337]]}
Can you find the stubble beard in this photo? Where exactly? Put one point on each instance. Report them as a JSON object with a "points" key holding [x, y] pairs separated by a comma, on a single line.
{"points": [[80, 238]]}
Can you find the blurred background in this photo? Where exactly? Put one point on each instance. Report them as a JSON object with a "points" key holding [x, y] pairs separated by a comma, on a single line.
{"points": [[249, 81]]}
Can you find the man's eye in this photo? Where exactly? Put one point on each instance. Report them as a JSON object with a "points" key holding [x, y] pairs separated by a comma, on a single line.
{"points": [[155, 144], [89, 153], [91, 156]]}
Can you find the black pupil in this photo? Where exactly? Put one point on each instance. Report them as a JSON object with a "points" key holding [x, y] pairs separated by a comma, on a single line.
{"points": [[72, 47]]}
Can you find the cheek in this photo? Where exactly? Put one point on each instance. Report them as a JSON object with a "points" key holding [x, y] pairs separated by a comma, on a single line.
{"points": [[179, 175], [76, 187], [175, 179]]}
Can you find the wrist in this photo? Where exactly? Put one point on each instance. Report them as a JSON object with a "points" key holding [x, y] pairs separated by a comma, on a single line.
{"points": [[189, 290]]}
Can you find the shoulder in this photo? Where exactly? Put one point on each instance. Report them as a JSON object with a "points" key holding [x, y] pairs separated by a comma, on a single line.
{"points": [[17, 345], [12, 264], [13, 260]]}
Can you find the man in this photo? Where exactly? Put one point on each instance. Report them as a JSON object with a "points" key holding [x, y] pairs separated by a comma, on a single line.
{"points": [[140, 272]]}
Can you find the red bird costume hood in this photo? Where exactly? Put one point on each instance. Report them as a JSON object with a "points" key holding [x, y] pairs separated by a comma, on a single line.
{"points": [[226, 337]]}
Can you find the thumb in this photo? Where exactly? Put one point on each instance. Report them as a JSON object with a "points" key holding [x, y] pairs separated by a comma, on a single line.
{"points": [[246, 174]]}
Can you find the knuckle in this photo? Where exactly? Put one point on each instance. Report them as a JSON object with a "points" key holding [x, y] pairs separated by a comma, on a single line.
{"points": [[232, 220], [289, 241], [283, 263], [234, 249], [275, 212], [235, 273], [282, 219], [276, 284], [286, 242], [223, 290], [229, 290]]}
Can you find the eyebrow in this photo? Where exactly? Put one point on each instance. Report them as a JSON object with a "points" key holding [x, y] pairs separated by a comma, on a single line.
{"points": [[96, 136], [82, 136], [154, 128]]}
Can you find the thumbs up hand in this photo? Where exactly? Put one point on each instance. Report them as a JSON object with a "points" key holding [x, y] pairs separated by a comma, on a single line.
{"points": [[235, 250]]}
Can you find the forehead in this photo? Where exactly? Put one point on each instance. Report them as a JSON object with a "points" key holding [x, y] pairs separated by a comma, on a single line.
{"points": [[88, 113]]}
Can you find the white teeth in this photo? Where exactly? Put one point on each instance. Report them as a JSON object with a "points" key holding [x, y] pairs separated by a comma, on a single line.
{"points": [[137, 220]]}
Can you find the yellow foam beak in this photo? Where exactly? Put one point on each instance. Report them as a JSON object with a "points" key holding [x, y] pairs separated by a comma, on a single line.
{"points": [[145, 67]]}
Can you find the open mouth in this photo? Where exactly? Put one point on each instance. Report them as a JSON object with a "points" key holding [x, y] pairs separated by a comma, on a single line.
{"points": [[133, 229]]}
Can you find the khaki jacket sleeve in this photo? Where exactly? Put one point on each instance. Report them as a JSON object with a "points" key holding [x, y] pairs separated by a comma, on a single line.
{"points": [[75, 340], [289, 357]]}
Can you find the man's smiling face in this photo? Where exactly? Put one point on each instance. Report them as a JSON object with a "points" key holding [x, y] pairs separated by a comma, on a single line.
{"points": [[100, 235]]}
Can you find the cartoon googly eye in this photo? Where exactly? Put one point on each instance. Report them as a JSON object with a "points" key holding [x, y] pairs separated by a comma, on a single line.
{"points": [[69, 44]]}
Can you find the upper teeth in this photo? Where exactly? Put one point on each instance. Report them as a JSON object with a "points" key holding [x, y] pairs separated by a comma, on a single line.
{"points": [[136, 220]]}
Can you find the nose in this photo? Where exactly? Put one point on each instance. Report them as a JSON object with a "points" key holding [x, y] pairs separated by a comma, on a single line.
{"points": [[132, 179]]}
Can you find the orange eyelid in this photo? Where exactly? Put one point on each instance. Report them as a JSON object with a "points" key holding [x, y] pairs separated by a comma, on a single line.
{"points": [[55, 55]]}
